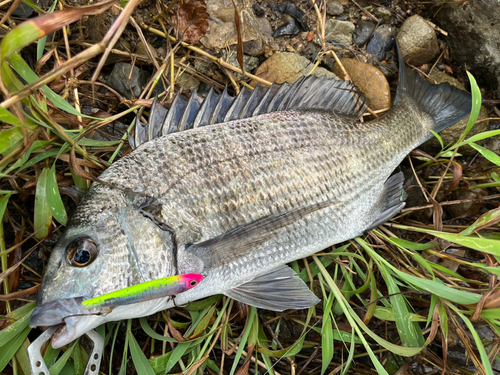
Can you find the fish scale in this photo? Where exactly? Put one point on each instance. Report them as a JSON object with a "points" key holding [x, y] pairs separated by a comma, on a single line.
{"points": [[294, 173]]}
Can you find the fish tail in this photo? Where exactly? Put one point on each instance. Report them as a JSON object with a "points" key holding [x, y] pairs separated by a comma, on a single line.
{"points": [[444, 103]]}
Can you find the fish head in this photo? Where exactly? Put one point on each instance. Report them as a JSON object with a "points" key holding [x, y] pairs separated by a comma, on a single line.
{"points": [[103, 249]]}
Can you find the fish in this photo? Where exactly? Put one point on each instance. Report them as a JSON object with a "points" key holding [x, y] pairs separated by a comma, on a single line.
{"points": [[168, 286], [233, 189]]}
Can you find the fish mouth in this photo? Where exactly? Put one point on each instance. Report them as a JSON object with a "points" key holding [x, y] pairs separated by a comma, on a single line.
{"points": [[75, 321]]}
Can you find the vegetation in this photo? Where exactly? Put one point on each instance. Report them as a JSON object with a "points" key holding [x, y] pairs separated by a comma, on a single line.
{"points": [[393, 299]]}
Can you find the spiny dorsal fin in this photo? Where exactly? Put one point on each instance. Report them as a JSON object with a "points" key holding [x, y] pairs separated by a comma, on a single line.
{"points": [[308, 93]]}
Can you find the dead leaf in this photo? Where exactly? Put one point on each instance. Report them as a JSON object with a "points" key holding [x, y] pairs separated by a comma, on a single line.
{"points": [[191, 20], [448, 69]]}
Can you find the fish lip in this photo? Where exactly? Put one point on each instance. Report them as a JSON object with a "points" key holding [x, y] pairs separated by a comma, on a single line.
{"points": [[69, 313], [54, 312]]}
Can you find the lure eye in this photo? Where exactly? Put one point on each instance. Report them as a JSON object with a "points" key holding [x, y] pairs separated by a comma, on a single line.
{"points": [[193, 283], [81, 251]]}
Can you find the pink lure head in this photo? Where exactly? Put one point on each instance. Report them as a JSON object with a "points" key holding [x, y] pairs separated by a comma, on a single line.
{"points": [[190, 280]]}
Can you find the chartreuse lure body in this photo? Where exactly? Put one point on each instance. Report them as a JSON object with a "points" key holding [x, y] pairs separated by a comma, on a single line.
{"points": [[168, 286]]}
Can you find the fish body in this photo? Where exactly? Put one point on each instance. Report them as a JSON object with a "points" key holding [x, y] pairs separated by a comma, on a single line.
{"points": [[236, 201]]}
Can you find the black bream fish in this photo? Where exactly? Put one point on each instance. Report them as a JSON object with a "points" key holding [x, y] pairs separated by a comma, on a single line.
{"points": [[245, 186]]}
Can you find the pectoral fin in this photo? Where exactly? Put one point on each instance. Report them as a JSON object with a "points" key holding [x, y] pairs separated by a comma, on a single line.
{"points": [[279, 290], [248, 237], [391, 200]]}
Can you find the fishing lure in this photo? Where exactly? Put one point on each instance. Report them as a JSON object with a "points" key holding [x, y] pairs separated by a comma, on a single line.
{"points": [[168, 286]]}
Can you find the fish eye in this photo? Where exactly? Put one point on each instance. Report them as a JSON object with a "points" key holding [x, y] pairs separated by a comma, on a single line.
{"points": [[193, 282], [81, 251]]}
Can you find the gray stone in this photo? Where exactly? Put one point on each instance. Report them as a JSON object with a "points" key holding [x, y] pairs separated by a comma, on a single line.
{"points": [[383, 14], [474, 38], [250, 63], [23, 11], [119, 80], [417, 41], [453, 133], [339, 31], [381, 42], [334, 8], [222, 28], [363, 32]]}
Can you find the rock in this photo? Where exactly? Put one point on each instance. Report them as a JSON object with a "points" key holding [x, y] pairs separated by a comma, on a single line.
{"points": [[250, 63], [453, 133], [222, 27], [417, 41], [207, 67], [339, 31], [363, 32], [474, 38], [369, 80], [119, 80], [493, 144], [381, 42], [465, 208], [334, 8], [23, 11], [287, 67], [140, 49], [383, 14]]}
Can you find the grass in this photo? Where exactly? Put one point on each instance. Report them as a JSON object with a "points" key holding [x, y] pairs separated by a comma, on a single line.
{"points": [[388, 300]]}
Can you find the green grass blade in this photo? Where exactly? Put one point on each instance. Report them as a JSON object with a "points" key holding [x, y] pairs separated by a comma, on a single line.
{"points": [[7, 351], [24, 70], [61, 362], [479, 344], [405, 327], [490, 155], [43, 214], [486, 245], [7, 117], [477, 137], [141, 363], [10, 139], [7, 334], [149, 331], [476, 106], [22, 357], [54, 197], [412, 245], [244, 338]]}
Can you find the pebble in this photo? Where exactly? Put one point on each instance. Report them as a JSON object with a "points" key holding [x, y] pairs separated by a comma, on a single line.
{"points": [[453, 133], [383, 14], [339, 31], [119, 80], [334, 8], [287, 67], [417, 41], [369, 80], [381, 42], [363, 32]]}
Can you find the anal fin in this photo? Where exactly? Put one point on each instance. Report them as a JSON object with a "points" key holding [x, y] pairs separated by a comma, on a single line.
{"points": [[278, 290], [391, 200]]}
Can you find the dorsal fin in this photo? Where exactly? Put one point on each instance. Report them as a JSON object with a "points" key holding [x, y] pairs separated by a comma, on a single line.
{"points": [[192, 109], [308, 93]]}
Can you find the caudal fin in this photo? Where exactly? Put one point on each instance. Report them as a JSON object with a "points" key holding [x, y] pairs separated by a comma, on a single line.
{"points": [[444, 103]]}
